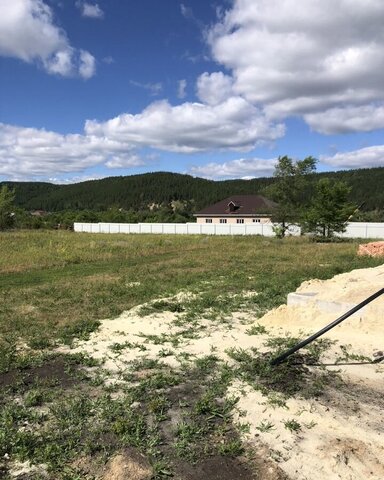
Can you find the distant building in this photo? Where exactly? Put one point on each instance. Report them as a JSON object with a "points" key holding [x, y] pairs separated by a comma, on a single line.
{"points": [[238, 209]]}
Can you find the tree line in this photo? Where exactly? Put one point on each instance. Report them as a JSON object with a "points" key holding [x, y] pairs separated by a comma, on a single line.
{"points": [[138, 192], [303, 196]]}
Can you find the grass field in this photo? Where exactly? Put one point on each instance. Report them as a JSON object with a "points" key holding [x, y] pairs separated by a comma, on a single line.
{"points": [[58, 411]]}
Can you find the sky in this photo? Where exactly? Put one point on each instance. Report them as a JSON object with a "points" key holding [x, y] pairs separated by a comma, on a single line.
{"points": [[212, 88]]}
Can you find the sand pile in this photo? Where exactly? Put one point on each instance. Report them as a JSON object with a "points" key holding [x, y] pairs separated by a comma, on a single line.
{"points": [[340, 436]]}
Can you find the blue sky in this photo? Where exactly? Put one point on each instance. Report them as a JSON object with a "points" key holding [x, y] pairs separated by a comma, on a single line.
{"points": [[217, 89]]}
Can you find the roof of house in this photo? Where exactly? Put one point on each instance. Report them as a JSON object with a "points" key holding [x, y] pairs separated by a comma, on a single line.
{"points": [[241, 205]]}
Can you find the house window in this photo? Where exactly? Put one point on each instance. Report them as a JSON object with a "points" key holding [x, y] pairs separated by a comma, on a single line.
{"points": [[208, 220], [256, 220], [223, 220], [240, 220]]}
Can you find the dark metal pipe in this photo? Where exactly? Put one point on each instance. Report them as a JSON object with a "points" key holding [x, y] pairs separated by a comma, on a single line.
{"points": [[310, 339]]}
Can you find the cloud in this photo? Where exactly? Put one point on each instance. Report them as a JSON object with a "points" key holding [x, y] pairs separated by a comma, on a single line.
{"points": [[304, 58], [348, 119], [214, 88], [30, 152], [362, 158], [108, 60], [87, 66], [182, 85], [91, 10], [125, 161], [191, 127], [28, 32], [153, 88], [186, 11], [245, 168]]}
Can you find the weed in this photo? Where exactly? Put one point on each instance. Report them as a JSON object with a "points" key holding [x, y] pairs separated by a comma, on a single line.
{"points": [[257, 330], [119, 347], [165, 352], [292, 425], [231, 448], [347, 356], [265, 426]]}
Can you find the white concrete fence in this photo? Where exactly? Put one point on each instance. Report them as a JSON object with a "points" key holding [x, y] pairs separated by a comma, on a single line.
{"points": [[364, 230], [181, 228], [354, 229]]}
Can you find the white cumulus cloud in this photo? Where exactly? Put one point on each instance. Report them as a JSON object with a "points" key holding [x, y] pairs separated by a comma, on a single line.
{"points": [[348, 119], [239, 168], [182, 85], [92, 10], [214, 88], [362, 158], [191, 127], [305, 57], [28, 32], [31, 152]]}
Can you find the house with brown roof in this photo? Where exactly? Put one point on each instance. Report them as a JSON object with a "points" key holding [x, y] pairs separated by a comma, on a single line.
{"points": [[238, 209]]}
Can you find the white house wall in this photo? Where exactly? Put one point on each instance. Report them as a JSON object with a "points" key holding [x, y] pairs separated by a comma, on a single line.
{"points": [[232, 220]]}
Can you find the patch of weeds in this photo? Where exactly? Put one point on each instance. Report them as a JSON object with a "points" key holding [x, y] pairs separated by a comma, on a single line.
{"points": [[173, 339], [81, 358], [277, 400], [288, 378], [165, 352], [292, 425], [8, 353], [119, 347], [161, 469], [158, 405], [187, 435], [146, 364], [161, 306], [265, 426], [231, 448], [257, 330], [80, 330], [207, 363], [243, 427], [40, 342], [37, 397], [347, 356]]}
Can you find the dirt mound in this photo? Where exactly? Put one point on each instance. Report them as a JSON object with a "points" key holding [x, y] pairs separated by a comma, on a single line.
{"points": [[373, 249], [128, 465]]}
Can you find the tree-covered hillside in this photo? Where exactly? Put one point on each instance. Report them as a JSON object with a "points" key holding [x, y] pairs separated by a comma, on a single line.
{"points": [[139, 191]]}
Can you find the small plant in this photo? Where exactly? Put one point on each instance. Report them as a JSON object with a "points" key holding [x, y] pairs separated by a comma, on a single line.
{"points": [[165, 352], [265, 426], [119, 347], [257, 330], [347, 356], [231, 448], [292, 425]]}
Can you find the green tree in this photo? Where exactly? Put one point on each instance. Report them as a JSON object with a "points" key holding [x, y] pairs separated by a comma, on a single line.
{"points": [[330, 209], [289, 190], [6, 207]]}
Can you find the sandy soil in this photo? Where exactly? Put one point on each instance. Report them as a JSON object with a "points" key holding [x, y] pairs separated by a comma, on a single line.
{"points": [[341, 435]]}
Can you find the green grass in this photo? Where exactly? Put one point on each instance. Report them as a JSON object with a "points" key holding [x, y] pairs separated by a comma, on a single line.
{"points": [[57, 286]]}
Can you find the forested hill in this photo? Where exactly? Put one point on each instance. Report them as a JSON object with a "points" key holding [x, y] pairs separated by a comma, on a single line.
{"points": [[139, 191]]}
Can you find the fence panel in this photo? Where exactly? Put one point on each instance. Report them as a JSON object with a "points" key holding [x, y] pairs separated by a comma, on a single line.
{"points": [[354, 229]]}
